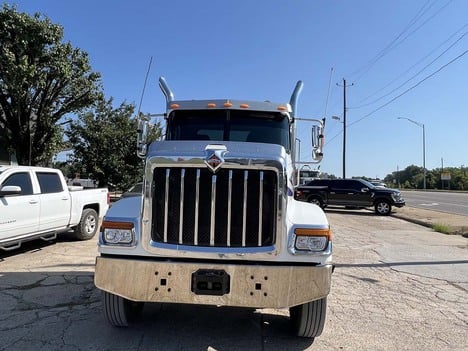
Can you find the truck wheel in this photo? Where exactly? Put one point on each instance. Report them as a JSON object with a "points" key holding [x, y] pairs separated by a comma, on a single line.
{"points": [[383, 207], [316, 201], [118, 311], [88, 225], [308, 319]]}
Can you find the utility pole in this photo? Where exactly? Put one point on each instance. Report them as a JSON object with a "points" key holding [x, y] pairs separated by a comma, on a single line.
{"points": [[344, 125], [398, 176], [442, 172]]}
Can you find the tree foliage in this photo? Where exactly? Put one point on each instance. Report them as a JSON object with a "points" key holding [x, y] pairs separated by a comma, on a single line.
{"points": [[412, 177], [42, 79], [104, 144]]}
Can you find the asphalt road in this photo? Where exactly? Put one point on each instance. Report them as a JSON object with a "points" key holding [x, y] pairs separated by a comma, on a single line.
{"points": [[451, 202], [397, 286]]}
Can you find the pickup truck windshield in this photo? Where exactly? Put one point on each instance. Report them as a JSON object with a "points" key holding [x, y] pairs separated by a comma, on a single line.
{"points": [[229, 125]]}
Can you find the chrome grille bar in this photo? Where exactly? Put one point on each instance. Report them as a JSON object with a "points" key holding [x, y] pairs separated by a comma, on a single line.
{"points": [[166, 204], [213, 210], [181, 206], [197, 202], [244, 209], [229, 219], [260, 210]]}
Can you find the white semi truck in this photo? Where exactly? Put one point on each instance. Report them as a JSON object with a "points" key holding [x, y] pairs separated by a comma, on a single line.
{"points": [[217, 223]]}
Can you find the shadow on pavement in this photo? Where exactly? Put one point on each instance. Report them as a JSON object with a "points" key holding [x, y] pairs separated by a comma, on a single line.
{"points": [[62, 310]]}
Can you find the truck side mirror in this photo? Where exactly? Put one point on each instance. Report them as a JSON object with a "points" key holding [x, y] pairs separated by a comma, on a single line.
{"points": [[10, 190], [142, 133], [318, 140]]}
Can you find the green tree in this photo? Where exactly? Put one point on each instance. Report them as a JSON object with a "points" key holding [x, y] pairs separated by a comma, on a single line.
{"points": [[42, 79], [412, 177], [104, 145], [458, 178]]}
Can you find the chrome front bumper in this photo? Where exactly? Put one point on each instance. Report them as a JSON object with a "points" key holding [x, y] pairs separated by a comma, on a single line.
{"points": [[256, 286]]}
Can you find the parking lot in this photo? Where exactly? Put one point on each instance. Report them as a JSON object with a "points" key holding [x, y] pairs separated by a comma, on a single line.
{"points": [[397, 286]]}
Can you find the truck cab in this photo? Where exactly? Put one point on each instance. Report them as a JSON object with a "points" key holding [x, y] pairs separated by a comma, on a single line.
{"points": [[217, 222]]}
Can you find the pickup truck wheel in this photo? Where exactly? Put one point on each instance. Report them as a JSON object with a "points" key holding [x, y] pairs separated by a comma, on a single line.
{"points": [[88, 225], [120, 312], [308, 319], [316, 201], [383, 207]]}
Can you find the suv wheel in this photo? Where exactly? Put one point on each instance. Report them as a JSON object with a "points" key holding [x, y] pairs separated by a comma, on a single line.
{"points": [[316, 201], [383, 207]]}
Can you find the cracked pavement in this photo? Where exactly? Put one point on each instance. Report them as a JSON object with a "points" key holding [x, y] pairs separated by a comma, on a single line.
{"points": [[396, 286]]}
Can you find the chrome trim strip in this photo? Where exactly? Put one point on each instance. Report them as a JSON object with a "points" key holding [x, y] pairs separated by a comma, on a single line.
{"points": [[213, 210], [229, 210], [244, 211], [260, 210], [166, 204], [197, 196], [181, 206], [236, 252]]}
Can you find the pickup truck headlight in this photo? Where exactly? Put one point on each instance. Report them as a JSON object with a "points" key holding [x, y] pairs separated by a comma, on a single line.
{"points": [[312, 239], [118, 233], [396, 196]]}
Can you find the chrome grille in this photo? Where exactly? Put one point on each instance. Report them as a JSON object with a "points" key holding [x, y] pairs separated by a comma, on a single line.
{"points": [[232, 208]]}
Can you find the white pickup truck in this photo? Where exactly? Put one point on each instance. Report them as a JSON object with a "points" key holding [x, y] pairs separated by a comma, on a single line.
{"points": [[35, 202]]}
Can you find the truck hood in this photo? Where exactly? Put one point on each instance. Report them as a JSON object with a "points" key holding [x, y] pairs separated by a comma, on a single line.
{"points": [[382, 190], [125, 209], [236, 152]]}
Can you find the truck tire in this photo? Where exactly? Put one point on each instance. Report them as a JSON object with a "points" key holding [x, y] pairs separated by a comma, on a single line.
{"points": [[316, 201], [120, 312], [308, 319], [383, 207], [88, 225]]}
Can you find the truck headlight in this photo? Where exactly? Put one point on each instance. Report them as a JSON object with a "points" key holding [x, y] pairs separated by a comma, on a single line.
{"points": [[118, 233], [312, 239], [311, 243]]}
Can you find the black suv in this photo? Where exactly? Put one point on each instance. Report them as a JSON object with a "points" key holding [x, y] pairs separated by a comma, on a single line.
{"points": [[352, 193]]}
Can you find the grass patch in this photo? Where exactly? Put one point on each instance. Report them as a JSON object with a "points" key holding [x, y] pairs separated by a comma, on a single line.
{"points": [[442, 228]]}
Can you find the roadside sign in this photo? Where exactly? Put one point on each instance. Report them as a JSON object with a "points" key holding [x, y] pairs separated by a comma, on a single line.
{"points": [[445, 176]]}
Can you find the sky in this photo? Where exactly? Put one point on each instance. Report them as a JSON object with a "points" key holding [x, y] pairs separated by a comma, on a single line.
{"points": [[399, 58]]}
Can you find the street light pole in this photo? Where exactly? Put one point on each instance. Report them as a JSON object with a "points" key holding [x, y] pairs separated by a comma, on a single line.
{"points": [[344, 141], [423, 146]]}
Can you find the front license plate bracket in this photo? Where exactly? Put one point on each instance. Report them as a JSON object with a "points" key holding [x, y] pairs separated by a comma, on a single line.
{"points": [[210, 282]]}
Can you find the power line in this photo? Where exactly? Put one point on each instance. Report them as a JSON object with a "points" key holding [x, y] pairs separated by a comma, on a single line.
{"points": [[328, 92], [395, 42], [411, 88], [410, 68], [417, 74], [400, 95]]}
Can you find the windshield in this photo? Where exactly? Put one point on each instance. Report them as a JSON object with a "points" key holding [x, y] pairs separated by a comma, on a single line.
{"points": [[368, 184], [229, 125], [309, 174]]}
